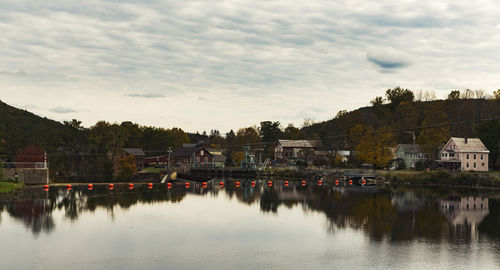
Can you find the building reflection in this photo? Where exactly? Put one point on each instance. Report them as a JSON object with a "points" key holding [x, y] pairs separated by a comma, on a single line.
{"points": [[464, 214], [382, 214]]}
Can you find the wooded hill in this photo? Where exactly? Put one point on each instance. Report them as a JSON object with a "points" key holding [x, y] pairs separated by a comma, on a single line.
{"points": [[388, 124], [369, 131]]}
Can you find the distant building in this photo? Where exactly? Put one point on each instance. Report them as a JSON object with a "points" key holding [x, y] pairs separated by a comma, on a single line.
{"points": [[194, 156], [289, 151], [137, 153], [465, 154], [409, 154]]}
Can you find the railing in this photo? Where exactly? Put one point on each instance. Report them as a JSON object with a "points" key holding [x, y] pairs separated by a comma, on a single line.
{"points": [[24, 165]]}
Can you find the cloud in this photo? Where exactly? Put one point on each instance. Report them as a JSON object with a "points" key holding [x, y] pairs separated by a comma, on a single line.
{"points": [[388, 58], [146, 95], [63, 110], [298, 54]]}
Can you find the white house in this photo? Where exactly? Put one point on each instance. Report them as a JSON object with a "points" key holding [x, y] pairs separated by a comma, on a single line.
{"points": [[465, 154]]}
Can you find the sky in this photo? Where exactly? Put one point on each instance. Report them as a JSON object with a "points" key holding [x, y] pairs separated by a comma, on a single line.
{"points": [[203, 65]]}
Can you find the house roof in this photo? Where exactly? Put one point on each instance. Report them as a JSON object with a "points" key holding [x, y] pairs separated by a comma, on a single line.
{"points": [[188, 152], [472, 145], [134, 151], [408, 148], [189, 145], [220, 158], [301, 143], [321, 153]]}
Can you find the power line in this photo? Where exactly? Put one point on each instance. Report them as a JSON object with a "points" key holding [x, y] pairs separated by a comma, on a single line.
{"points": [[318, 138]]}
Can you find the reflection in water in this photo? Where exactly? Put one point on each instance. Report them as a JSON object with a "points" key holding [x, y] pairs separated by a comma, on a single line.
{"points": [[382, 214]]}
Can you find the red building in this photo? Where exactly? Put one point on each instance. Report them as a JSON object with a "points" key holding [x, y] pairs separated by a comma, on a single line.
{"points": [[196, 157]]}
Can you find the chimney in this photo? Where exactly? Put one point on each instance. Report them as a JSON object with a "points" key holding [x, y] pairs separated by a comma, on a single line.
{"points": [[465, 140]]}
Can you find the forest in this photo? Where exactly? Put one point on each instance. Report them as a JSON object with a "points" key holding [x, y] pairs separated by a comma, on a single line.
{"points": [[370, 132]]}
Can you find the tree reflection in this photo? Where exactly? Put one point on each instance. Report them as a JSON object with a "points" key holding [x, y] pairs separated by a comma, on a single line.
{"points": [[381, 214]]}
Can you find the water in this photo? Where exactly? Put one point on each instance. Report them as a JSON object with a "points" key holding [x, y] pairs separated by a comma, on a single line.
{"points": [[248, 227]]}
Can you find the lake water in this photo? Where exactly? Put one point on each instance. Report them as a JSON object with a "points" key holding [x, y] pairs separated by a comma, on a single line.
{"points": [[261, 227]]}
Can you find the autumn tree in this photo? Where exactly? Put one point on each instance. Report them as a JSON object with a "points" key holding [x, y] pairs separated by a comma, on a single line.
{"points": [[431, 139], [127, 167], [374, 146]]}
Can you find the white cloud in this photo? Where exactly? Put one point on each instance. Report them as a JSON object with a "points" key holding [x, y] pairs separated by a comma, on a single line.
{"points": [[253, 60], [63, 110]]}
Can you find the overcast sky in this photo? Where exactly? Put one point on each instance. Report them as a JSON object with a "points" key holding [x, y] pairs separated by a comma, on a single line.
{"points": [[203, 65]]}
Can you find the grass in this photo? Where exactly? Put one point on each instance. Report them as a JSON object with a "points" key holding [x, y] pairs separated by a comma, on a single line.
{"points": [[8, 187], [152, 170]]}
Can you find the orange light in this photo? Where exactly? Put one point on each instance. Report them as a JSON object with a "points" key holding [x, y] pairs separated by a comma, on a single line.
{"points": [[130, 186], [350, 182], [187, 184], [221, 183], [320, 182], [336, 182], [252, 183], [269, 183], [286, 183], [204, 184], [169, 185], [68, 186], [91, 186], [45, 186], [303, 182], [364, 182], [150, 185]]}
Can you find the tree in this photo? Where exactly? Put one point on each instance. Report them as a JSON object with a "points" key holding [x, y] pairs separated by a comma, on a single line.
{"points": [[377, 101], [373, 147], [430, 139], [454, 95], [489, 133], [480, 94], [496, 94], [270, 131], [341, 114], [292, 133], [238, 157], [398, 94], [467, 94], [127, 167]]}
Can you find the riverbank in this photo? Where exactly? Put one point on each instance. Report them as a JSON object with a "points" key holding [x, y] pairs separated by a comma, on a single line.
{"points": [[442, 177], [9, 187]]}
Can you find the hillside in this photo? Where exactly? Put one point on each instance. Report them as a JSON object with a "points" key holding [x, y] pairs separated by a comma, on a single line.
{"points": [[464, 116], [19, 128]]}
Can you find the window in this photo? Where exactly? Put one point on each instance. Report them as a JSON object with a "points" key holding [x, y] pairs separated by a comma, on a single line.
{"points": [[474, 164], [452, 154], [467, 165], [467, 157], [481, 156], [201, 152], [474, 156], [197, 159], [482, 164]]}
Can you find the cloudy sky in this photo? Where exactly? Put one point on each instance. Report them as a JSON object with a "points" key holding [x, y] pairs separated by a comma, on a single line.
{"points": [[203, 65]]}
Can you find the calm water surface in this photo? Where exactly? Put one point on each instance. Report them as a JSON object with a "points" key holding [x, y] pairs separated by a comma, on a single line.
{"points": [[248, 227]]}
